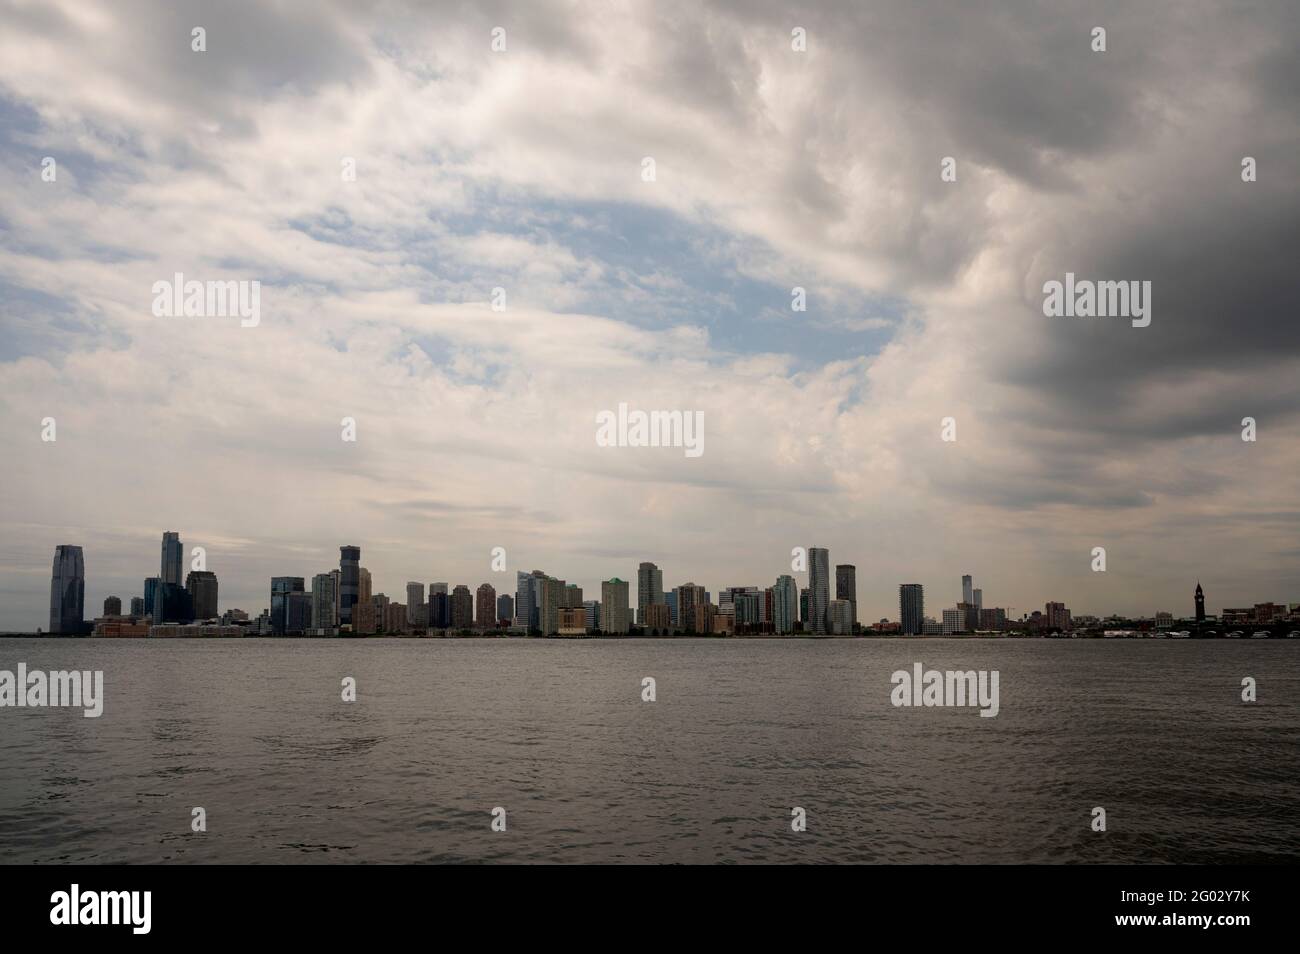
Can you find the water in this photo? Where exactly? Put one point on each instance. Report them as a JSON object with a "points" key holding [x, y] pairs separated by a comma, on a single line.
{"points": [[743, 730]]}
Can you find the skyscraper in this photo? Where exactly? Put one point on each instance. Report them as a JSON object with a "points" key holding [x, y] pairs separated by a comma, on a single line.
{"points": [[649, 589], [785, 604], [202, 587], [505, 609], [172, 603], [967, 594], [297, 613], [281, 587], [173, 556], [151, 585], [613, 606], [349, 580], [439, 606], [67, 590], [137, 606], [485, 606], [524, 600], [417, 611], [911, 608], [1200, 603], [324, 599], [839, 617], [689, 596], [551, 594], [846, 586], [819, 586], [462, 608], [113, 606]]}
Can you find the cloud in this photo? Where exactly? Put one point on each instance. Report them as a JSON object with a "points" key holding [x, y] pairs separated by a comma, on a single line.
{"points": [[522, 170]]}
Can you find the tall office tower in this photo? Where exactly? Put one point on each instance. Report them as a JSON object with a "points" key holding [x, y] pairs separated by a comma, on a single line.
{"points": [[335, 578], [113, 606], [173, 556], [649, 588], [550, 599], [323, 600], [613, 606], [151, 585], [137, 606], [365, 585], [785, 604], [1200, 603], [839, 617], [671, 599], [67, 591], [297, 612], [349, 583], [281, 587], [592, 608], [439, 607], [539, 584], [803, 609], [524, 600], [979, 598], [462, 608], [202, 587], [1058, 616], [846, 585], [911, 608], [967, 594], [505, 609], [819, 586], [705, 614], [572, 596], [416, 607], [485, 606]]}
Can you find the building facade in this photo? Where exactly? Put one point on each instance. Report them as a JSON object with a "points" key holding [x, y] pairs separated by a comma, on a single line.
{"points": [[614, 608], [68, 590], [819, 587]]}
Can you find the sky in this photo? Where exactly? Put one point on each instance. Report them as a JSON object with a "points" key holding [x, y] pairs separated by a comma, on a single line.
{"points": [[774, 168]]}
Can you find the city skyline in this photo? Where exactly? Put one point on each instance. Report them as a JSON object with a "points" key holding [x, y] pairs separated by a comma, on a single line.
{"points": [[295, 608]]}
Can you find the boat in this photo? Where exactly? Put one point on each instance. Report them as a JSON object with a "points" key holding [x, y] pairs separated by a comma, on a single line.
{"points": [[1236, 635], [1181, 634], [1260, 635]]}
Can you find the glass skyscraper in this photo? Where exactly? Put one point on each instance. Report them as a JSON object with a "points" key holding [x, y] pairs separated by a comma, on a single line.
{"points": [[281, 587], [819, 587], [911, 607], [173, 556], [67, 590], [349, 579]]}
